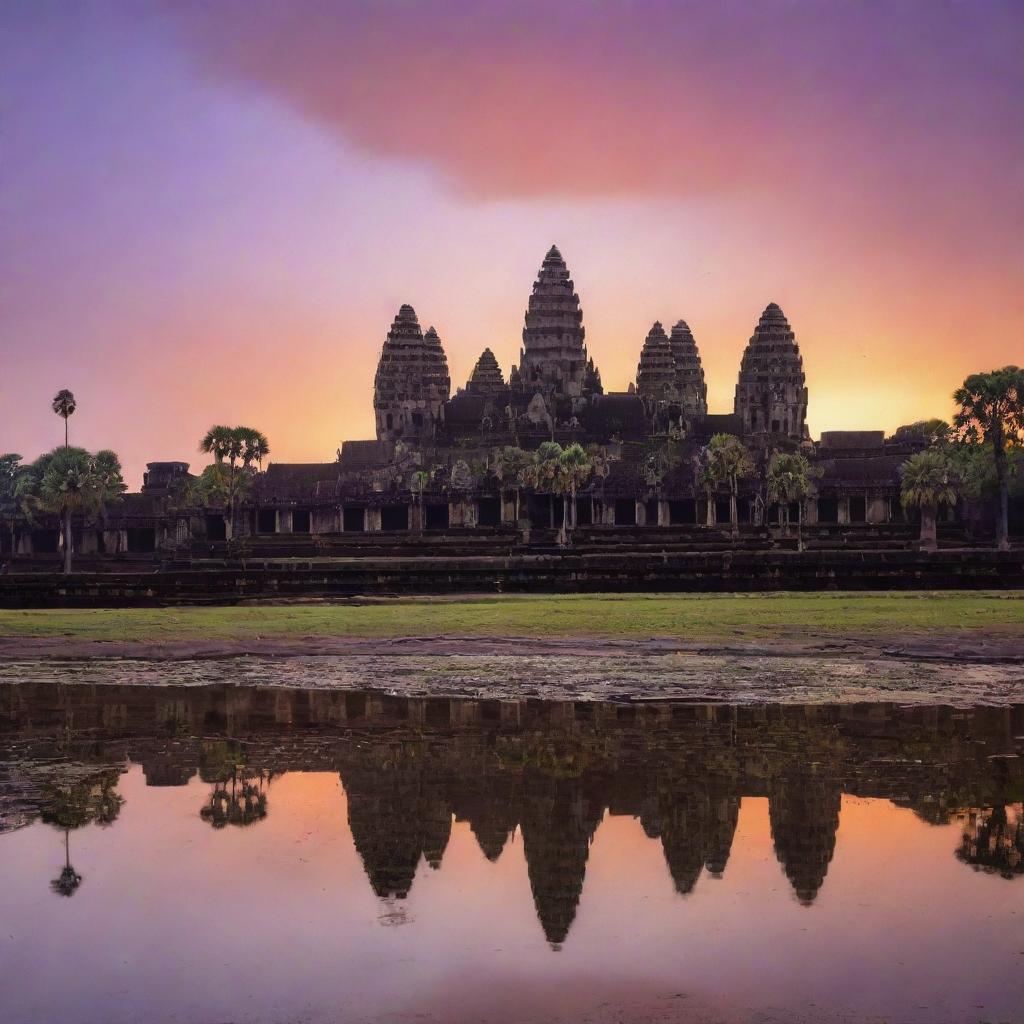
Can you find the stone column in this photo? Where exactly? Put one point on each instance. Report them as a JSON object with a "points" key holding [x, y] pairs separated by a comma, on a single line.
{"points": [[664, 514], [373, 520], [641, 513], [284, 520], [508, 507], [844, 510]]}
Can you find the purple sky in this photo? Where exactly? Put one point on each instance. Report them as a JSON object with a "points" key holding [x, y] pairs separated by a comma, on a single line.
{"points": [[211, 212]]}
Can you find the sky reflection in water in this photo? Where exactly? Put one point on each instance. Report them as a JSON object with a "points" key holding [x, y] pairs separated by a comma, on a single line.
{"points": [[260, 855]]}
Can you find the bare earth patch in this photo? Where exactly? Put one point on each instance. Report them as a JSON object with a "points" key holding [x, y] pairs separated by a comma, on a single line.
{"points": [[966, 670]]}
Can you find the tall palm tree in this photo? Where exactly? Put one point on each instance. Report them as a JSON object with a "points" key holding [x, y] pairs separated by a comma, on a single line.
{"points": [[728, 461], [574, 470], [992, 410], [542, 471], [255, 446], [510, 463], [64, 405], [65, 488], [11, 470], [67, 883], [928, 481], [70, 480], [217, 442], [789, 480]]}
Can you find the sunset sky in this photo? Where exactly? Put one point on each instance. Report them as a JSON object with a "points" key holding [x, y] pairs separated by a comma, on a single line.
{"points": [[210, 212]]}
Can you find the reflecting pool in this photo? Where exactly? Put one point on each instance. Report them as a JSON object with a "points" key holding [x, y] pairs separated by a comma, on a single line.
{"points": [[221, 853]]}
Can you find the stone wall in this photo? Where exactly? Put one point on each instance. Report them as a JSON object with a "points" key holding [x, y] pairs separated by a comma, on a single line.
{"points": [[709, 571]]}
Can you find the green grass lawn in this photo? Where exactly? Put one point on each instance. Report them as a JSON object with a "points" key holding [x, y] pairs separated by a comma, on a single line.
{"points": [[614, 615]]}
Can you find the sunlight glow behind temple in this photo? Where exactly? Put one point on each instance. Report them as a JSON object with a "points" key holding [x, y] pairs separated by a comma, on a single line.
{"points": [[212, 217]]}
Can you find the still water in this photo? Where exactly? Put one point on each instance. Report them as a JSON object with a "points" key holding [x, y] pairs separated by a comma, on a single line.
{"points": [[239, 854]]}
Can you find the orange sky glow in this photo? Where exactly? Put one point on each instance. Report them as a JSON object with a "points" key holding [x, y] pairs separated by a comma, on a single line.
{"points": [[211, 213]]}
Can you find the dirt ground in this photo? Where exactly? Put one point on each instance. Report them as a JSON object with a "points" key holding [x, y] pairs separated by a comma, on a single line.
{"points": [[929, 668]]}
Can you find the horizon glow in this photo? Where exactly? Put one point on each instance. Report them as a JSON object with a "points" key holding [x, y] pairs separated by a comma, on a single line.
{"points": [[211, 213]]}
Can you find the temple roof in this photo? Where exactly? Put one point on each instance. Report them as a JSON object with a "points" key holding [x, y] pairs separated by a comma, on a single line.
{"points": [[487, 378], [412, 365], [690, 382], [772, 353]]}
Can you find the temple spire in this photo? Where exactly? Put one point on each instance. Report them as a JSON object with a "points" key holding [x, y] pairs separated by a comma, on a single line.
{"points": [[553, 359], [771, 394], [656, 372]]}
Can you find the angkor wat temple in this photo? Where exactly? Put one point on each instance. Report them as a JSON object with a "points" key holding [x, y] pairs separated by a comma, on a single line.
{"points": [[433, 482], [547, 771]]}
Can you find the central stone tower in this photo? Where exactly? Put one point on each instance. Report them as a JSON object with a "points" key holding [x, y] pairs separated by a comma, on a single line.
{"points": [[553, 359]]}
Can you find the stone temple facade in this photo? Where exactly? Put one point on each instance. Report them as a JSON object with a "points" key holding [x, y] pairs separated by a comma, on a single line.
{"points": [[437, 471], [555, 391]]}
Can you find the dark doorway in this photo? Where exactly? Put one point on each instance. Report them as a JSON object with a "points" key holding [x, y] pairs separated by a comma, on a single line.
{"points": [[722, 511], [300, 520], [651, 511], [394, 517], [266, 520], [858, 510], [828, 510], [584, 512], [743, 510], [682, 513], [488, 512], [436, 517], [557, 511], [45, 542], [625, 512], [141, 539], [353, 519], [216, 528], [540, 511]]}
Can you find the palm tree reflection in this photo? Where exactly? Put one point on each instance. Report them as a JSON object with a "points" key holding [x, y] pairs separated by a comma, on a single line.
{"points": [[69, 806], [993, 839], [238, 798]]}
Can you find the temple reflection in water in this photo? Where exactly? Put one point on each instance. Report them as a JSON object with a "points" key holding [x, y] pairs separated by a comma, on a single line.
{"points": [[551, 770]]}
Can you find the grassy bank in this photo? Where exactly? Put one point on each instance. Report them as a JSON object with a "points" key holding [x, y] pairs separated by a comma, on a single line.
{"points": [[612, 615]]}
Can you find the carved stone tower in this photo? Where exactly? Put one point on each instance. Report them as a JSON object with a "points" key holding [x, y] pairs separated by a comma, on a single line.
{"points": [[553, 359], [412, 382], [693, 392], [771, 396], [487, 378], [656, 372]]}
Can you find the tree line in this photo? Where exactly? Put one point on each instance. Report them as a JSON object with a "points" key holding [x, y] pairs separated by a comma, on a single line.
{"points": [[979, 454]]}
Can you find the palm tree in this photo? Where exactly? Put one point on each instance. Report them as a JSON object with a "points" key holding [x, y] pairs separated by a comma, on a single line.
{"points": [[254, 446], [727, 461], [217, 442], [789, 480], [108, 480], [574, 470], [10, 471], [510, 463], [542, 471], [64, 405], [992, 411], [65, 488], [70, 480], [67, 883], [928, 480]]}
